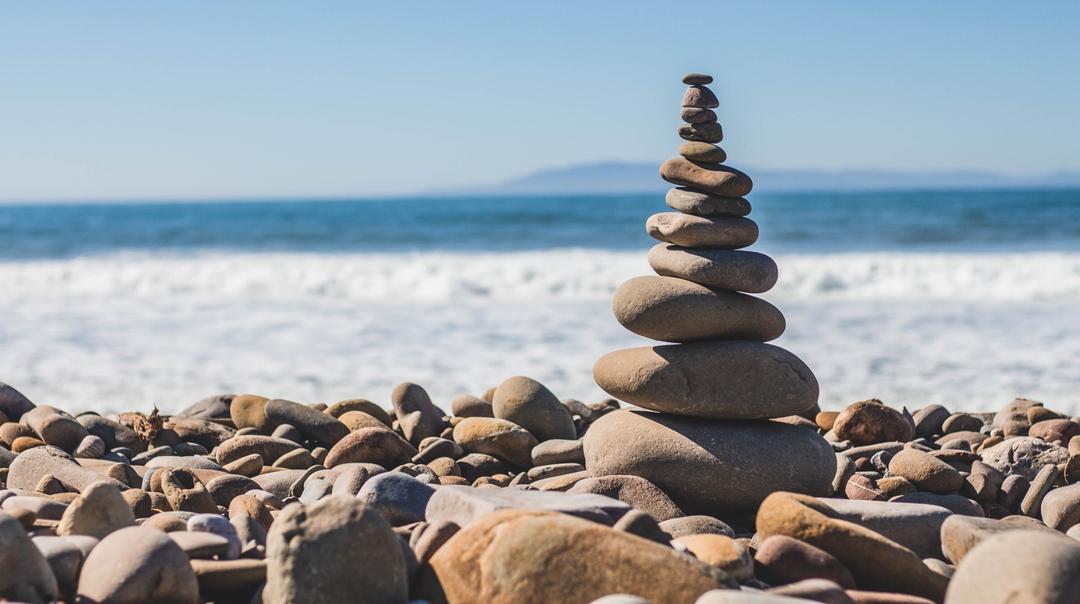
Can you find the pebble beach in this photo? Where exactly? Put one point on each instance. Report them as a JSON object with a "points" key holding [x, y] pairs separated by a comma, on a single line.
{"points": [[707, 471]]}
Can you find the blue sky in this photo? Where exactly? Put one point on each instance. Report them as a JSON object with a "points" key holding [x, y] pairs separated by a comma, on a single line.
{"points": [[154, 99]]}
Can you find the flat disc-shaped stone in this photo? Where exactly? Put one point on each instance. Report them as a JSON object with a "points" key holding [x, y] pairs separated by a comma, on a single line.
{"points": [[697, 115], [702, 152], [710, 467], [719, 379], [700, 203], [727, 232], [722, 181], [710, 132], [736, 270], [697, 78], [676, 310], [700, 96]]}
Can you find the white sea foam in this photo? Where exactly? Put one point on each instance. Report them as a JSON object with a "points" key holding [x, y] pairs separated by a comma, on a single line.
{"points": [[559, 274], [120, 331]]}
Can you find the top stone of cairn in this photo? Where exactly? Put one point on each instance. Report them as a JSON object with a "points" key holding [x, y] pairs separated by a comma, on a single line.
{"points": [[699, 79]]}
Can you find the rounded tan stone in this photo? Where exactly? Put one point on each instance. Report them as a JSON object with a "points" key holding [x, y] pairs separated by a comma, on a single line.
{"points": [[718, 380], [700, 96], [99, 510], [925, 471], [699, 203], [360, 404], [717, 179], [249, 411], [55, 427], [707, 132], [529, 404], [697, 115], [519, 556], [371, 445], [736, 270], [496, 437], [870, 421], [702, 152], [876, 562], [354, 420], [710, 467], [138, 564], [677, 310], [267, 447], [1018, 567], [726, 232], [721, 552]]}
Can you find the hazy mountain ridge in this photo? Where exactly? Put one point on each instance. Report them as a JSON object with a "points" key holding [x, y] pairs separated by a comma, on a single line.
{"points": [[634, 177]]}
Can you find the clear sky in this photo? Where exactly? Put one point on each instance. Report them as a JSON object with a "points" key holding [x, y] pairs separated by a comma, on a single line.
{"points": [[155, 99]]}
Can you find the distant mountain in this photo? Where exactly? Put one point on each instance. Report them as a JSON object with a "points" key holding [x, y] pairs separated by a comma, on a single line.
{"points": [[635, 177]]}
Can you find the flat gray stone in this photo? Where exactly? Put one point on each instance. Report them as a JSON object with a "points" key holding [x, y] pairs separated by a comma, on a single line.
{"points": [[30, 466], [462, 505]]}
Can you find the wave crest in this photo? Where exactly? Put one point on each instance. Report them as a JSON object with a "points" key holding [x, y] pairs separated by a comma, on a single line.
{"points": [[557, 274]]}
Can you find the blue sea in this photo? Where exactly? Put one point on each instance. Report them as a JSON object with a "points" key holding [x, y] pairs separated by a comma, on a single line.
{"points": [[966, 298]]}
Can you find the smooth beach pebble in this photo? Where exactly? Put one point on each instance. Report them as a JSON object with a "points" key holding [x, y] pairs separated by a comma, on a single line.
{"points": [[529, 404], [360, 404], [744, 460], [700, 96], [267, 447], [400, 498], [780, 559], [870, 421], [687, 230], [708, 132], [314, 425], [716, 379], [633, 490], [464, 505], [497, 437], [371, 445], [354, 420], [220, 526], [960, 534], [30, 466], [925, 471], [55, 427], [417, 416], [721, 552], [702, 152], [1018, 567], [325, 536], [697, 115], [26, 573], [715, 179], [677, 310], [695, 525], [558, 450], [697, 79], [700, 203], [736, 270], [876, 562], [515, 552], [137, 564], [98, 511], [248, 411], [467, 405]]}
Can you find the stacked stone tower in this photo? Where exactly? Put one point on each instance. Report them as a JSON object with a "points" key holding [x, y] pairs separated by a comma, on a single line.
{"points": [[719, 366]]}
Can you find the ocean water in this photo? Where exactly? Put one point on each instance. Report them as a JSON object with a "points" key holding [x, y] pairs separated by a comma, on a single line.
{"points": [[962, 298]]}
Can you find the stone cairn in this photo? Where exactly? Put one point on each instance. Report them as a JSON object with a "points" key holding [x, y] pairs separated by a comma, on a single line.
{"points": [[710, 446]]}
